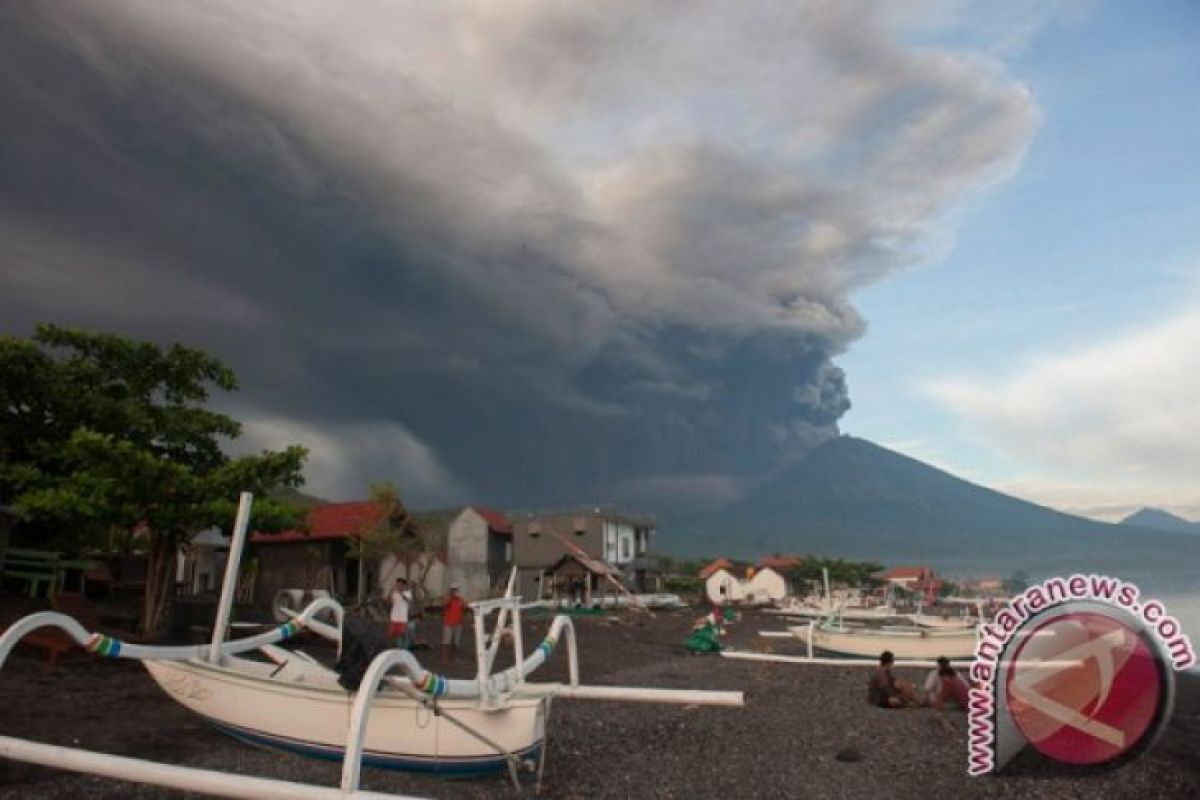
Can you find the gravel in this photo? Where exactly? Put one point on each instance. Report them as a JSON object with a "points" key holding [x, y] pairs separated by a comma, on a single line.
{"points": [[805, 731]]}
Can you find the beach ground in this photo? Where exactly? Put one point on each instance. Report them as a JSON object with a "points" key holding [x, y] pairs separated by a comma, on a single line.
{"points": [[805, 731]]}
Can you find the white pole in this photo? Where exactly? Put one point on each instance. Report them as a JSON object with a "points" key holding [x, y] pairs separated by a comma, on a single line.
{"points": [[189, 779], [834, 661], [225, 607], [828, 596], [811, 626], [637, 694], [518, 641]]}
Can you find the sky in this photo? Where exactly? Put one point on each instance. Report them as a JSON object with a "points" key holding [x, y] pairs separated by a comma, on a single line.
{"points": [[1052, 352], [650, 252]]}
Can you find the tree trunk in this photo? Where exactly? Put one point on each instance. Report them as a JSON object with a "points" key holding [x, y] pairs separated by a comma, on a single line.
{"points": [[158, 581]]}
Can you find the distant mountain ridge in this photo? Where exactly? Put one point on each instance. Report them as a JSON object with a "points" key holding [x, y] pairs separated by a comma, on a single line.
{"points": [[854, 499], [1161, 520]]}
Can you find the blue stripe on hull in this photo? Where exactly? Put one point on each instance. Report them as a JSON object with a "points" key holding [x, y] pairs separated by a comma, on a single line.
{"points": [[460, 767]]}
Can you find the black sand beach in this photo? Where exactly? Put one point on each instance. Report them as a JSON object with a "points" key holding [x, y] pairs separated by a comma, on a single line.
{"points": [[805, 732]]}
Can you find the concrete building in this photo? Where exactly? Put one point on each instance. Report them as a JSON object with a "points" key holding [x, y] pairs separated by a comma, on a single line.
{"points": [[541, 540], [479, 552], [200, 563]]}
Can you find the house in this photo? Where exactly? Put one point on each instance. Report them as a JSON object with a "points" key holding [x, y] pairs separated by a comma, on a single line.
{"points": [[990, 586], [579, 579], [721, 586], [200, 563], [780, 563], [323, 557], [479, 552], [767, 586], [620, 540], [318, 558], [917, 579], [720, 563]]}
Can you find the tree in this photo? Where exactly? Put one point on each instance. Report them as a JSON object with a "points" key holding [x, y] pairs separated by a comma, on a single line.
{"points": [[100, 434], [1017, 582], [853, 573], [394, 532]]}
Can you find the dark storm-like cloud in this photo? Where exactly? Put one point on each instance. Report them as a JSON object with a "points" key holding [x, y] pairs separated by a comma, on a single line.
{"points": [[533, 252]]}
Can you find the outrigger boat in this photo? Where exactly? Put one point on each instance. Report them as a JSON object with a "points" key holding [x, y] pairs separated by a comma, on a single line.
{"points": [[817, 610], [414, 720], [903, 642]]}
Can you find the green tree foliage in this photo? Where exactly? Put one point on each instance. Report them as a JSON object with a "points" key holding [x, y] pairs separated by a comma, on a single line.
{"points": [[853, 573], [394, 532], [1017, 582], [103, 435]]}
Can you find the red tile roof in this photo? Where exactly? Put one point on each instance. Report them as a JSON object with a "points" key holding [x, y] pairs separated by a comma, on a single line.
{"points": [[495, 519], [330, 521], [899, 573], [781, 562], [720, 563]]}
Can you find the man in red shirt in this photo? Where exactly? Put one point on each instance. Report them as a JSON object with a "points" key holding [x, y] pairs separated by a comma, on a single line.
{"points": [[452, 619]]}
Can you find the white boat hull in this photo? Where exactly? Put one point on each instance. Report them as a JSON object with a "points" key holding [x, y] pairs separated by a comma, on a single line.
{"points": [[857, 614], [313, 719], [943, 623], [867, 643]]}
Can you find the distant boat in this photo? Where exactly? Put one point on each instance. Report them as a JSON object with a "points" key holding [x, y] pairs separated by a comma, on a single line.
{"points": [[963, 619], [817, 610], [903, 642], [941, 622]]}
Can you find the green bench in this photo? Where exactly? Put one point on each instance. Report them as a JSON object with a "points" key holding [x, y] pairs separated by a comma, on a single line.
{"points": [[38, 567]]}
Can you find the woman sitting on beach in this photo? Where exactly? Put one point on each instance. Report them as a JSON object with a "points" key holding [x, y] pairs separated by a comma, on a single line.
{"points": [[950, 686], [887, 691], [932, 688]]}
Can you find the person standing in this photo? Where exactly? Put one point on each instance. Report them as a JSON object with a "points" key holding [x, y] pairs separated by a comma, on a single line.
{"points": [[401, 603], [452, 622]]}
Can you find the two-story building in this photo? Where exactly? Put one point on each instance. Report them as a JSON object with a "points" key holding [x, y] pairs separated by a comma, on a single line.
{"points": [[575, 550], [479, 552]]}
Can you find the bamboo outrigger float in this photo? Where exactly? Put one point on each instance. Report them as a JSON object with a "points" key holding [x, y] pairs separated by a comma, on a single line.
{"points": [[414, 720]]}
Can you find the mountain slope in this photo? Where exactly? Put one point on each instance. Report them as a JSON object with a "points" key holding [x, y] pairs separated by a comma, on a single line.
{"points": [[1161, 520], [855, 499]]}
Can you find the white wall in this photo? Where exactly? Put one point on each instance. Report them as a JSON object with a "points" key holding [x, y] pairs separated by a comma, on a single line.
{"points": [[766, 585], [735, 589], [467, 555]]}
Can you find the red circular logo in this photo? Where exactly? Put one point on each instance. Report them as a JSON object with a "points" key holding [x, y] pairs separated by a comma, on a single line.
{"points": [[1085, 687]]}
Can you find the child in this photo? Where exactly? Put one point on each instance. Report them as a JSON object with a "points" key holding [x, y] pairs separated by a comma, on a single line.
{"points": [[452, 621]]}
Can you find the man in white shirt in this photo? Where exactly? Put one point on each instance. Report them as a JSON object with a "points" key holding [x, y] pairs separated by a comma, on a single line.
{"points": [[401, 602]]}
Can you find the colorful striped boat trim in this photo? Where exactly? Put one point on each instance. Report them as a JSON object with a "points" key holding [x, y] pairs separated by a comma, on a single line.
{"points": [[433, 685], [547, 646], [103, 645]]}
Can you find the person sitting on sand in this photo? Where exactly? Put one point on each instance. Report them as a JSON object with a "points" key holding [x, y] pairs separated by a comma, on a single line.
{"points": [[886, 690], [932, 688], [951, 686]]}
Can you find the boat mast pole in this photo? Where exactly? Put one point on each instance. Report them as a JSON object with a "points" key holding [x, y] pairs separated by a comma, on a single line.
{"points": [[232, 564]]}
